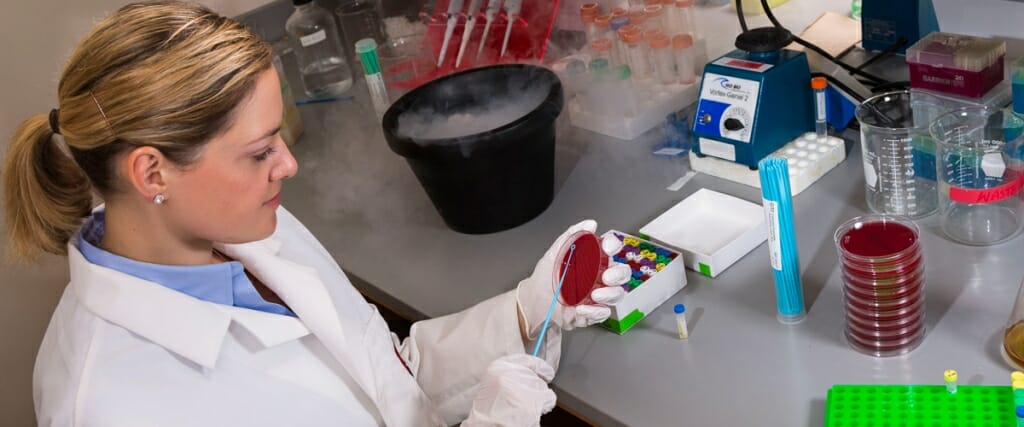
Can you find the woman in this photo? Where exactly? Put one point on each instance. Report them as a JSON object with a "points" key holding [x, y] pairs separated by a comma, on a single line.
{"points": [[194, 298]]}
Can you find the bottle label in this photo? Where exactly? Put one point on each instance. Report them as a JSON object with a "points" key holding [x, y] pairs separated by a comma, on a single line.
{"points": [[313, 39], [771, 213], [820, 98]]}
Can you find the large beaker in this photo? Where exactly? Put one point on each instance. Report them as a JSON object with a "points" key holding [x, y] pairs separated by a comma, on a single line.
{"points": [[898, 153], [980, 174]]}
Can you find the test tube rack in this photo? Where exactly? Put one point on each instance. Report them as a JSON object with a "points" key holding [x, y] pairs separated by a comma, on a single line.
{"points": [[657, 274], [654, 103], [919, 406], [808, 159]]}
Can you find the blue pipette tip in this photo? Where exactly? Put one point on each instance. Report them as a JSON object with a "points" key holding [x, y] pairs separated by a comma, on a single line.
{"points": [[1020, 412], [679, 309]]}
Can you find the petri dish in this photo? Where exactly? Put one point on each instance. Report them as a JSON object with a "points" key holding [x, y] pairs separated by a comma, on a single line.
{"points": [[584, 269]]}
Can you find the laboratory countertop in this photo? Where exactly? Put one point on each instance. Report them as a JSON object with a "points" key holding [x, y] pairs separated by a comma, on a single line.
{"points": [[740, 366]]}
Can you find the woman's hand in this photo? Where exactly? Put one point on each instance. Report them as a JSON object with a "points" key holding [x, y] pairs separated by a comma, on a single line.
{"points": [[513, 392], [534, 294]]}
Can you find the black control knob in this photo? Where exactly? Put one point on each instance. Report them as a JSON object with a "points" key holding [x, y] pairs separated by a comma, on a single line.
{"points": [[733, 124]]}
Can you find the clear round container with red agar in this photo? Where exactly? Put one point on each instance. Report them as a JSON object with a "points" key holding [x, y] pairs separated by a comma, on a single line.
{"points": [[586, 262], [883, 284]]}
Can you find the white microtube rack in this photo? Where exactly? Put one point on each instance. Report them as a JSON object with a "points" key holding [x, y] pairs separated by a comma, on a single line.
{"points": [[808, 160], [662, 101]]}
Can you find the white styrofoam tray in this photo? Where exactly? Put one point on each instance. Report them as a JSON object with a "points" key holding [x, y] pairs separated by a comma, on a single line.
{"points": [[663, 100], [711, 229]]}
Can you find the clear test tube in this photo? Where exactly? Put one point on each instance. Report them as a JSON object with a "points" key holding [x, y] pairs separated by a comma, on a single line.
{"points": [[661, 55], [604, 26], [683, 18], [682, 49], [588, 13], [637, 17], [648, 35], [578, 81], [818, 84], [625, 95], [636, 52], [654, 17], [601, 98], [602, 48]]}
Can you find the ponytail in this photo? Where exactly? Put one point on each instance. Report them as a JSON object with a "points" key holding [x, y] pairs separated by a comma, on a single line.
{"points": [[46, 194]]}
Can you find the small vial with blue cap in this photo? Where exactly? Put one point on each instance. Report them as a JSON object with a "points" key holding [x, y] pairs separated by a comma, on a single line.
{"points": [[681, 321], [1020, 416]]}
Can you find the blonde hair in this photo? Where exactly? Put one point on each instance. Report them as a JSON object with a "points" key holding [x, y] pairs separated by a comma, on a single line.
{"points": [[165, 74]]}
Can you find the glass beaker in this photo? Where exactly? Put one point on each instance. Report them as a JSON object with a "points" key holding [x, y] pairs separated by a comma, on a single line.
{"points": [[404, 65], [883, 284], [1013, 335], [898, 154], [980, 173], [360, 19]]}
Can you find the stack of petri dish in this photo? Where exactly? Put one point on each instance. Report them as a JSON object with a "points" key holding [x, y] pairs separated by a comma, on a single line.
{"points": [[883, 284]]}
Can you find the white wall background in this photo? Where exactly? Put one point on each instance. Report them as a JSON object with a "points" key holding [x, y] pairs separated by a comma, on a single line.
{"points": [[36, 38]]}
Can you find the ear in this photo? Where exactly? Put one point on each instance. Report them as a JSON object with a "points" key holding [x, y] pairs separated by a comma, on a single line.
{"points": [[146, 169]]}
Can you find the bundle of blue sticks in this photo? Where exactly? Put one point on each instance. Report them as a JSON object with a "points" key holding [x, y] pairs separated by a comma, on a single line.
{"points": [[778, 208]]}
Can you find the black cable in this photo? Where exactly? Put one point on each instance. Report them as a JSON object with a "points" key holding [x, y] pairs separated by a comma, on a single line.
{"points": [[820, 51], [888, 51], [739, 14], [891, 86], [835, 82]]}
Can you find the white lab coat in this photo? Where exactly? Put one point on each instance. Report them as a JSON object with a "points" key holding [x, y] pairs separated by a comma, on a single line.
{"points": [[121, 351]]}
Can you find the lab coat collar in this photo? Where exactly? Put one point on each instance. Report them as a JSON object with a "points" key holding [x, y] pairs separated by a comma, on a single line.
{"points": [[189, 327]]}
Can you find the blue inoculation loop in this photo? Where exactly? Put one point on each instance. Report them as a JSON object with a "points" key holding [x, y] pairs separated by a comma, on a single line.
{"points": [[554, 301]]}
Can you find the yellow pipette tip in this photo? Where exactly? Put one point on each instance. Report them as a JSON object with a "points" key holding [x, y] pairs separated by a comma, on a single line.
{"points": [[949, 375], [1017, 385]]}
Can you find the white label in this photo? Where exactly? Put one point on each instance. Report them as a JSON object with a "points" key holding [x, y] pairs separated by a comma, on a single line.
{"points": [[312, 39], [721, 150], [732, 98], [668, 152], [743, 64], [378, 92], [771, 216], [820, 97]]}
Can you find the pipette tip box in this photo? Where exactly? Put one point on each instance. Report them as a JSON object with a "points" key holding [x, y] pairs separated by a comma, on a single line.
{"points": [[658, 273], [711, 229], [663, 100], [957, 64], [919, 405], [808, 157]]}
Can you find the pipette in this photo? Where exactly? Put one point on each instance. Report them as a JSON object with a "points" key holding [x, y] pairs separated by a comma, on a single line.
{"points": [[454, 7], [511, 13], [554, 300], [474, 7], [489, 14]]}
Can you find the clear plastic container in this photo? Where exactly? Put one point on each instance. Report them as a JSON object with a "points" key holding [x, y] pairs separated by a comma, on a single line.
{"points": [[664, 64], [982, 174], [318, 50], [883, 284], [898, 154], [588, 14], [682, 49]]}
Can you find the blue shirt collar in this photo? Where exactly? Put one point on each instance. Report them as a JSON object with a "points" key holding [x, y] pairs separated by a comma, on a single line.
{"points": [[224, 283]]}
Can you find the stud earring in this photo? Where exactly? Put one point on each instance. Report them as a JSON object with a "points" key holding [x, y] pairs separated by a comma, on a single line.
{"points": [[159, 199]]}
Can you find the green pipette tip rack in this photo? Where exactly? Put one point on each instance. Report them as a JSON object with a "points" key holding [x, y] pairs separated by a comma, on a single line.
{"points": [[919, 406]]}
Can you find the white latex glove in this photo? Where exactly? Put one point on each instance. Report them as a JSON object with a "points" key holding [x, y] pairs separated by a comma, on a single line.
{"points": [[513, 392], [534, 294]]}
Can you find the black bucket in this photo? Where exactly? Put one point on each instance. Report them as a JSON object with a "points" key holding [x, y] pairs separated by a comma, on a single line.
{"points": [[495, 179]]}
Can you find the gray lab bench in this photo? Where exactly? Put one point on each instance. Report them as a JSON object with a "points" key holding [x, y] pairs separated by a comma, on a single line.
{"points": [[739, 367]]}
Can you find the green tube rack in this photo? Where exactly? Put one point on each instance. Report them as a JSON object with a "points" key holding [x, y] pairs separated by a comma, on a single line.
{"points": [[919, 406]]}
